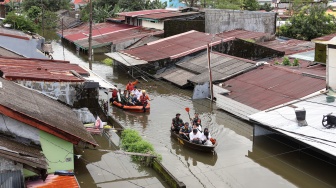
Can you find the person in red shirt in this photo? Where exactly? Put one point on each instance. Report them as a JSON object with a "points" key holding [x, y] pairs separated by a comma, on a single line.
{"points": [[114, 95], [130, 85], [144, 98]]}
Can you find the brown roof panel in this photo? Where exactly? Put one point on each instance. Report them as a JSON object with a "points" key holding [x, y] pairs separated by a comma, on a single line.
{"points": [[174, 47], [243, 34], [40, 69], [40, 111], [291, 46], [143, 12], [14, 34], [22, 153], [269, 86], [324, 38], [166, 15]]}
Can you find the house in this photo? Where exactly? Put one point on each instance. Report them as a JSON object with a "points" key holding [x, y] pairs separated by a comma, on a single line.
{"points": [[306, 121], [106, 37], [37, 133], [30, 46], [58, 79], [321, 47], [131, 18]]}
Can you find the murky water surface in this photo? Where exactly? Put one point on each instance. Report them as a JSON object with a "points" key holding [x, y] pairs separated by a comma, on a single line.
{"points": [[269, 162]]}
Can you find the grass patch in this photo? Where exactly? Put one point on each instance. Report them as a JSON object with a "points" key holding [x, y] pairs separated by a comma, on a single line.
{"points": [[108, 61], [131, 141]]}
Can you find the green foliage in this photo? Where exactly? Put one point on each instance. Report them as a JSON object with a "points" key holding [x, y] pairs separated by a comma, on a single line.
{"points": [[131, 5], [34, 13], [51, 5], [108, 61], [131, 141], [190, 3], [12, 6], [20, 22], [296, 62], [50, 20], [267, 7], [251, 5], [309, 23], [277, 63], [286, 61]]}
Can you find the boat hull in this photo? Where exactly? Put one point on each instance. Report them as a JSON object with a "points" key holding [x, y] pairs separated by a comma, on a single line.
{"points": [[131, 108], [191, 145]]}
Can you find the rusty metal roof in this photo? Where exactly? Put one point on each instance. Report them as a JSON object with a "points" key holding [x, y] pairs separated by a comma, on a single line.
{"points": [[143, 12], [245, 35], [37, 110], [118, 37], [82, 32], [174, 47], [269, 86], [22, 153], [166, 15], [176, 75], [290, 46], [40, 69], [14, 34], [54, 181], [324, 38]]}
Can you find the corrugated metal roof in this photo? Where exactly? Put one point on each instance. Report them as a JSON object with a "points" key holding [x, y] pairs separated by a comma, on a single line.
{"points": [[41, 111], [324, 38], [82, 32], [177, 76], [174, 47], [166, 15], [269, 86], [126, 60], [290, 46], [143, 12], [307, 67], [243, 34], [117, 37], [22, 153], [40, 69], [284, 120], [14, 34], [54, 181]]}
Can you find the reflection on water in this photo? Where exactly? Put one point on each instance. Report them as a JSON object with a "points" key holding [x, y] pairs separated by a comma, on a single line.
{"points": [[237, 163]]}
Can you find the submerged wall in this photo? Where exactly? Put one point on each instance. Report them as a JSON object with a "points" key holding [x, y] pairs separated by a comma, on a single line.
{"points": [[219, 20]]}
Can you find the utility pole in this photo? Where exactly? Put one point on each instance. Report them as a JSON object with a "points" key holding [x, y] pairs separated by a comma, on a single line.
{"points": [[90, 38], [210, 74], [42, 6]]}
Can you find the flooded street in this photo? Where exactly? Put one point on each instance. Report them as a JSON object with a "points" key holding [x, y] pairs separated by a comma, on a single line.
{"points": [[269, 161]]}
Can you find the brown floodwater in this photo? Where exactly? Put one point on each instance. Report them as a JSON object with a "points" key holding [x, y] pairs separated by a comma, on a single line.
{"points": [[239, 161]]}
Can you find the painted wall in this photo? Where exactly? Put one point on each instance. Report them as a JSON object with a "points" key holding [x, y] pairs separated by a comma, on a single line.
{"points": [[66, 92], [6, 164], [149, 24], [217, 21], [331, 66], [173, 3], [59, 153], [26, 48]]}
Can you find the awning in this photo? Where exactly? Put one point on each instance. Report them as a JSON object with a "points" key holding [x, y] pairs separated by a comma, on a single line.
{"points": [[126, 60]]}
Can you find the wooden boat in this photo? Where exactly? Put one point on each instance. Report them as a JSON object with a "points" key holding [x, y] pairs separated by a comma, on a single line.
{"points": [[191, 145], [131, 108]]}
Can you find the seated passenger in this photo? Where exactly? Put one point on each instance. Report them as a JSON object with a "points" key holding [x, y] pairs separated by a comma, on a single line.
{"points": [[177, 123], [124, 97], [198, 128], [206, 137], [195, 137], [185, 130]]}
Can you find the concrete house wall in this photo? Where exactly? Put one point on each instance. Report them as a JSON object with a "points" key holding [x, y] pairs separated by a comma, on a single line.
{"points": [[218, 21], [152, 24]]}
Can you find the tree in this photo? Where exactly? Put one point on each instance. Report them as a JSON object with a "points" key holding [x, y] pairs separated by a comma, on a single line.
{"points": [[51, 5], [20, 22], [34, 13], [267, 7], [223, 4], [190, 3], [250, 5], [309, 23]]}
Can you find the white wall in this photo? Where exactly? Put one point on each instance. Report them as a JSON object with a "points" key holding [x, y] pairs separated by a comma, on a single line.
{"points": [[149, 24], [331, 67]]}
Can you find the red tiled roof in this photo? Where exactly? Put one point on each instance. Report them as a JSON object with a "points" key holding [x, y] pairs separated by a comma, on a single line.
{"points": [[243, 34], [40, 69], [82, 32], [7, 1], [143, 12], [291, 46], [324, 38], [165, 15], [54, 181], [175, 46], [80, 2], [269, 86]]}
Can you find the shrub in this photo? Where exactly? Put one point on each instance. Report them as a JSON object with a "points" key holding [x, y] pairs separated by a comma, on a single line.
{"points": [[296, 62], [276, 63], [286, 61], [108, 61]]}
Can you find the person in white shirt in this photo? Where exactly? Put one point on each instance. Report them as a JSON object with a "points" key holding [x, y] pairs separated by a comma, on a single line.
{"points": [[195, 137], [206, 137], [135, 93]]}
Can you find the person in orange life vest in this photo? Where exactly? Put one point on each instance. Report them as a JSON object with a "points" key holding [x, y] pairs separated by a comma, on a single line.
{"points": [[144, 98], [130, 85]]}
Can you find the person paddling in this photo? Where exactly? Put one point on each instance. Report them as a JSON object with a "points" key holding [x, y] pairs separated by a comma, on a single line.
{"points": [[177, 123]]}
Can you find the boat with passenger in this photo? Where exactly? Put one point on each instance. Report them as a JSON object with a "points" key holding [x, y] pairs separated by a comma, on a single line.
{"points": [[135, 108]]}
